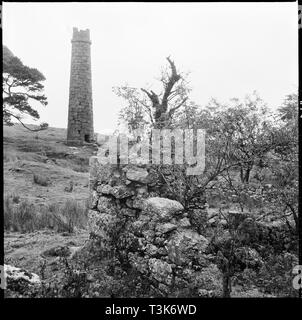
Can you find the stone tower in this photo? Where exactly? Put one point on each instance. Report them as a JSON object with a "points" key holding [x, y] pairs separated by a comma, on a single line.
{"points": [[80, 113]]}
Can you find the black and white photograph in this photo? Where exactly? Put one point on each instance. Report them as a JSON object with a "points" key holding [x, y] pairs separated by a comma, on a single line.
{"points": [[150, 150]]}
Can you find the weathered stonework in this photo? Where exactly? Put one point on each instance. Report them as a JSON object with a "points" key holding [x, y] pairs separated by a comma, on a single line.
{"points": [[149, 234], [80, 113], [167, 250]]}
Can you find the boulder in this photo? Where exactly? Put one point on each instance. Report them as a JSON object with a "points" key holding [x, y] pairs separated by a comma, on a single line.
{"points": [[184, 223], [58, 251], [151, 250], [185, 245], [128, 212], [106, 205], [137, 174], [104, 189], [20, 280], [120, 192], [166, 227], [99, 224], [160, 271], [164, 208], [93, 199]]}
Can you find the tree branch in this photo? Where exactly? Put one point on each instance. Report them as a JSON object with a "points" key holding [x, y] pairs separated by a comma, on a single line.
{"points": [[173, 79], [177, 107], [18, 118], [153, 97]]}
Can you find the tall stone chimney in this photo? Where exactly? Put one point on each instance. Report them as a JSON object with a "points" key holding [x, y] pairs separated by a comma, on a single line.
{"points": [[80, 112]]}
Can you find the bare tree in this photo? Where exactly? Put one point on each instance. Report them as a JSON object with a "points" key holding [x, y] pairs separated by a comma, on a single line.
{"points": [[165, 104]]}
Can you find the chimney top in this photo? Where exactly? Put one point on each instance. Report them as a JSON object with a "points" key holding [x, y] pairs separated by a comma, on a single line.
{"points": [[81, 35]]}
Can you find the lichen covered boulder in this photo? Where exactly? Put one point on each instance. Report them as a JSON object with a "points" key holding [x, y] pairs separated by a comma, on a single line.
{"points": [[186, 245], [164, 208], [20, 281]]}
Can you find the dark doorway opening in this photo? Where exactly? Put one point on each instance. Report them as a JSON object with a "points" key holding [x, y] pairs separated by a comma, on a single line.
{"points": [[87, 138]]}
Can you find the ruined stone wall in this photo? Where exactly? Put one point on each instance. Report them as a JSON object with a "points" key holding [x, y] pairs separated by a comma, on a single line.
{"points": [[134, 221], [80, 113], [150, 234]]}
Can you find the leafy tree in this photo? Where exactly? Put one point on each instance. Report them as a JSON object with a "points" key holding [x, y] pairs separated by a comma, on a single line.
{"points": [[246, 127], [135, 113], [276, 276], [282, 197], [21, 86], [270, 195], [273, 156]]}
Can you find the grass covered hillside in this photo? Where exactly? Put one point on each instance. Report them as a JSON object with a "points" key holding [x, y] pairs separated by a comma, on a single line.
{"points": [[45, 194]]}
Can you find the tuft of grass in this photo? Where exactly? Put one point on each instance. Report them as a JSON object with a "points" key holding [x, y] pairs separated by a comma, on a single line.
{"points": [[10, 156], [79, 164], [8, 212], [19, 217], [25, 217], [80, 168], [70, 215], [28, 217], [69, 188], [15, 198], [41, 180]]}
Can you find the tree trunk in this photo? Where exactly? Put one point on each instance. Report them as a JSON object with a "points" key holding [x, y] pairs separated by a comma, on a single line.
{"points": [[241, 175], [247, 175], [226, 285], [162, 115]]}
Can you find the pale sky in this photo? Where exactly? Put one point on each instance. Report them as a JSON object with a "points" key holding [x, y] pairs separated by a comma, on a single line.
{"points": [[230, 49]]}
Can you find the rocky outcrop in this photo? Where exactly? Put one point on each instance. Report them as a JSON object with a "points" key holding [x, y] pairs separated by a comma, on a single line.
{"points": [[20, 280]]}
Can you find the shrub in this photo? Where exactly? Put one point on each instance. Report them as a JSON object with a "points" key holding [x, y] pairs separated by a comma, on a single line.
{"points": [[41, 180], [69, 188], [80, 168], [80, 279], [10, 156], [15, 198], [275, 277]]}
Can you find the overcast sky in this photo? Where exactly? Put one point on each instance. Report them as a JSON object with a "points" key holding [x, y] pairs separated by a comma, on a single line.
{"points": [[230, 49]]}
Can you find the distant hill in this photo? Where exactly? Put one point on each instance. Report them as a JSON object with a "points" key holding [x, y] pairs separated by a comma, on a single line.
{"points": [[7, 54]]}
